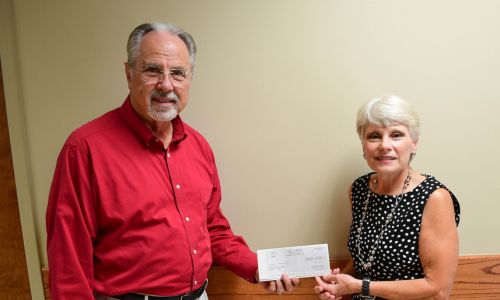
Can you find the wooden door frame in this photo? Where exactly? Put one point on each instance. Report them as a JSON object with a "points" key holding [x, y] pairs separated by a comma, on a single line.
{"points": [[14, 278]]}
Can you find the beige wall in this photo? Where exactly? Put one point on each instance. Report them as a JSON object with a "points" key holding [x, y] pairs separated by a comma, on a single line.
{"points": [[276, 89]]}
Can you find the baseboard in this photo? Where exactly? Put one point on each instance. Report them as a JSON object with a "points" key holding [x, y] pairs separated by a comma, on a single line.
{"points": [[478, 277]]}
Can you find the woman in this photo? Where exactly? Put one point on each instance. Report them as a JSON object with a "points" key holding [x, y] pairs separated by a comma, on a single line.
{"points": [[403, 238]]}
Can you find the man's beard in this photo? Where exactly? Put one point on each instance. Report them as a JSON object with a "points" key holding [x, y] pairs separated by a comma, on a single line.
{"points": [[162, 113]]}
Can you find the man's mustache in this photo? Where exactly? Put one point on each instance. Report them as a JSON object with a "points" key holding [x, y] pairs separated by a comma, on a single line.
{"points": [[171, 95]]}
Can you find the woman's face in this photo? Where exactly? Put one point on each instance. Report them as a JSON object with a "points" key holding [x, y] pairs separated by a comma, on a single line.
{"points": [[388, 149]]}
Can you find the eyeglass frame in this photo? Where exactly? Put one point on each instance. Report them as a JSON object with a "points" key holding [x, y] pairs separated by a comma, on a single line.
{"points": [[158, 74]]}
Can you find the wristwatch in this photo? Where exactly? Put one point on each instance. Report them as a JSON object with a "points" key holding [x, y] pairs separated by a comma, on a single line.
{"points": [[365, 289]]}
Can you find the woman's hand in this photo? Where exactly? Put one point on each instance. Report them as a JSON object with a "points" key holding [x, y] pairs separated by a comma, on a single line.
{"points": [[335, 285]]}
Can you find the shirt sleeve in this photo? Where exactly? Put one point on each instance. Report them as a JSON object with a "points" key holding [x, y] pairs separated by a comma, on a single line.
{"points": [[70, 222], [228, 250]]}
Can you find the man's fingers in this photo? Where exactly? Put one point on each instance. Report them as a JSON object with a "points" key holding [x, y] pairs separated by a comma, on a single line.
{"points": [[287, 283], [272, 286], [279, 287]]}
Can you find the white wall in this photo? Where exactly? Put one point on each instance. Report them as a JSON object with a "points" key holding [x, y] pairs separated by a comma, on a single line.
{"points": [[275, 92]]}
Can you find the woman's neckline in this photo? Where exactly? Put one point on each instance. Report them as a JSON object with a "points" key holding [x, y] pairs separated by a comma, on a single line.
{"points": [[395, 195]]}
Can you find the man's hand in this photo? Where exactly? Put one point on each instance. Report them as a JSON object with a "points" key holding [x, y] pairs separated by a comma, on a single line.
{"points": [[285, 284]]}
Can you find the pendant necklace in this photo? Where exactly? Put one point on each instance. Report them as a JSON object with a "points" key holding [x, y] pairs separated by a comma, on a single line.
{"points": [[368, 264]]}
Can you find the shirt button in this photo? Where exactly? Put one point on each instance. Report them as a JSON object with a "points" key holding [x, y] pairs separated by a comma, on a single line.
{"points": [[168, 154], [195, 282], [187, 219], [178, 186], [194, 251]]}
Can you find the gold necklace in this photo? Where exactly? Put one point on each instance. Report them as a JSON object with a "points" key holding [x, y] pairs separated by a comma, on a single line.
{"points": [[371, 258]]}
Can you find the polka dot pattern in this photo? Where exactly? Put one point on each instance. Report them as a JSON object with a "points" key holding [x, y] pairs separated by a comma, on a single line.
{"points": [[396, 257]]}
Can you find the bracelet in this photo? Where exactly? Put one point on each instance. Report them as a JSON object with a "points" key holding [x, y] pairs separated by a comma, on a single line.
{"points": [[365, 287]]}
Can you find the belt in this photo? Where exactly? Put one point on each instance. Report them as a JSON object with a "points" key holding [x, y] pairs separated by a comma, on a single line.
{"points": [[189, 296]]}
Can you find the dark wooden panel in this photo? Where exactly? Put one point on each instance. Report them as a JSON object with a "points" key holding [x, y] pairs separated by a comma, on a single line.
{"points": [[14, 282], [263, 297], [478, 277], [223, 282]]}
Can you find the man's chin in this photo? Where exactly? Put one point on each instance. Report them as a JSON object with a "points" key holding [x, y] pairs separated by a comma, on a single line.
{"points": [[163, 116]]}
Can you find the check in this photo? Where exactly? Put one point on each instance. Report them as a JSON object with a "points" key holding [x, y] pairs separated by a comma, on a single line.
{"points": [[296, 262]]}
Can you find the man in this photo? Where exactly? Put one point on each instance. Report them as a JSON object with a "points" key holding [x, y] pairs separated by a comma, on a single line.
{"points": [[134, 205]]}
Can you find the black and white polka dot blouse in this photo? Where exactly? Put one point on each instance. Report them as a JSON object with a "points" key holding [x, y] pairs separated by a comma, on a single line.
{"points": [[396, 257]]}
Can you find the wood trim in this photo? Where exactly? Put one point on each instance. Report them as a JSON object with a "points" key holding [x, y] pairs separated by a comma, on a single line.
{"points": [[223, 282], [45, 280], [478, 277], [14, 280]]}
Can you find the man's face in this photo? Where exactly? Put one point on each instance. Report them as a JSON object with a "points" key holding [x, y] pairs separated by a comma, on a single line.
{"points": [[155, 95]]}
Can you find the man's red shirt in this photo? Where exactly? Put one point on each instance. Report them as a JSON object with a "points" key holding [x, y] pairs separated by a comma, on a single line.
{"points": [[126, 215]]}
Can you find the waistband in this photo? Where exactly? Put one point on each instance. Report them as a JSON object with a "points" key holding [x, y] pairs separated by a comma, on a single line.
{"points": [[188, 296]]}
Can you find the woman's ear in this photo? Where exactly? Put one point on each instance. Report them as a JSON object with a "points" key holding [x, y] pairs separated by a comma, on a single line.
{"points": [[415, 144]]}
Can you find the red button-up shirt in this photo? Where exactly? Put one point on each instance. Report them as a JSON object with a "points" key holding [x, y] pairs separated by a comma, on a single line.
{"points": [[127, 215]]}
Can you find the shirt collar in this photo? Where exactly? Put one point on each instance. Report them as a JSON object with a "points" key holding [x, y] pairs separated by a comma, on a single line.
{"points": [[142, 131]]}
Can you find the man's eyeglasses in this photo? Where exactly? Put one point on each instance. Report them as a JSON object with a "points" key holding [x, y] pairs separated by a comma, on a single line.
{"points": [[154, 74]]}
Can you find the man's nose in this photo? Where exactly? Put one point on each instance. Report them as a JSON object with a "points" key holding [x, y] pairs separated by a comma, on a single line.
{"points": [[165, 83]]}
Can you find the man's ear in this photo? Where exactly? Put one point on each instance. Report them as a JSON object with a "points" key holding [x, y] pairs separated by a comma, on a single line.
{"points": [[128, 73]]}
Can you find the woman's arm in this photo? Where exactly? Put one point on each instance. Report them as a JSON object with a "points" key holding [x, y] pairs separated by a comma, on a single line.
{"points": [[438, 250]]}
